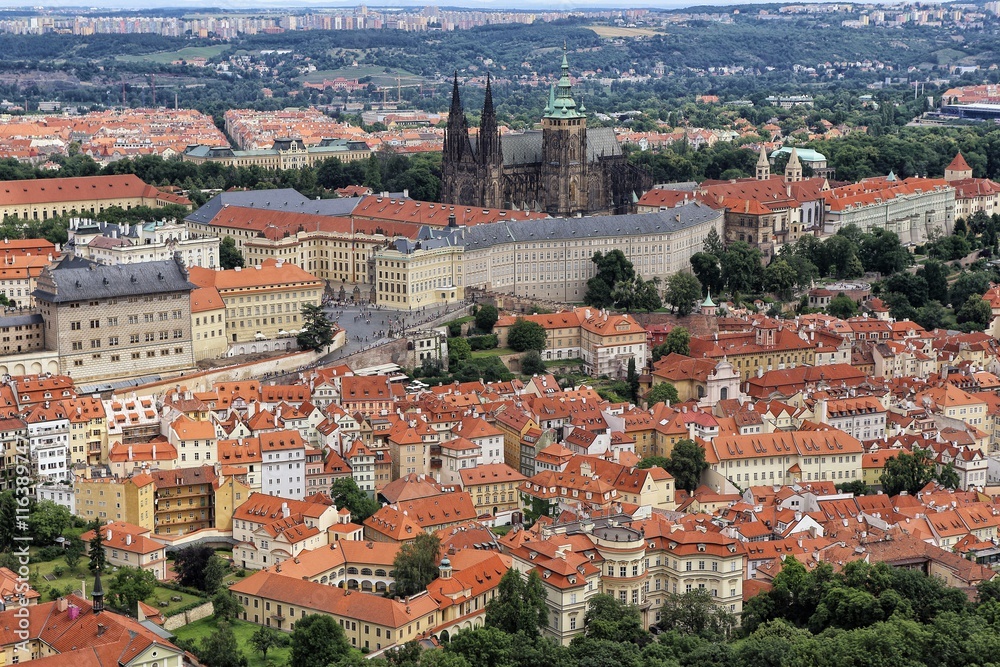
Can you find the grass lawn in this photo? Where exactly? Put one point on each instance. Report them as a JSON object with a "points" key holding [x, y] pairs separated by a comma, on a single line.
{"points": [[68, 578], [495, 352], [167, 57], [243, 631], [45, 570], [610, 32], [164, 594], [378, 74]]}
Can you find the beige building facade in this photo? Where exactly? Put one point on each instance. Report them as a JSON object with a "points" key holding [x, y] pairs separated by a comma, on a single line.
{"points": [[114, 322], [552, 258], [264, 301]]}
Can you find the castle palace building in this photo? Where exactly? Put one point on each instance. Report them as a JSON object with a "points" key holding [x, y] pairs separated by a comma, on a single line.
{"points": [[564, 170]]}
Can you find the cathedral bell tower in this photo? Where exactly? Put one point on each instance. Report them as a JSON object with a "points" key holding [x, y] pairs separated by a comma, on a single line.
{"points": [[489, 155], [458, 158], [564, 150]]}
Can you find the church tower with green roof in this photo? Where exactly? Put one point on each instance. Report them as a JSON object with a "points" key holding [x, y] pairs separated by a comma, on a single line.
{"points": [[564, 150]]}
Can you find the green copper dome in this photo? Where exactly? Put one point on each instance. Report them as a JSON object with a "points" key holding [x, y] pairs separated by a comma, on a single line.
{"points": [[561, 103]]}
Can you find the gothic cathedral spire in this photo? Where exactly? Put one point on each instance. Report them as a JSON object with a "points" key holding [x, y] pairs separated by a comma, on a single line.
{"points": [[456, 134], [489, 133]]}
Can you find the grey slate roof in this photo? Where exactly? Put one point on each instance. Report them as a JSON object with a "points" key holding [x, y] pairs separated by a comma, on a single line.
{"points": [[480, 237], [79, 279], [526, 148], [20, 320], [285, 200]]}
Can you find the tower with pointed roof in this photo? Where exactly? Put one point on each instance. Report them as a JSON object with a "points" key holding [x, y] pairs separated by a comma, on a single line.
{"points": [[458, 155], [97, 596], [489, 156], [564, 150], [793, 170], [958, 170], [565, 169], [763, 165]]}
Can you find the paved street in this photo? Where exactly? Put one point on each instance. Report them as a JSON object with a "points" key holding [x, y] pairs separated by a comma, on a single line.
{"points": [[374, 327]]}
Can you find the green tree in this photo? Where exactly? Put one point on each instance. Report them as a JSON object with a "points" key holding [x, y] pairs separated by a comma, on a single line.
{"points": [[264, 639], [646, 295], [880, 251], [661, 393], [741, 268], [73, 553], [914, 287], [907, 472], [932, 316], [215, 572], [486, 317], [416, 564], [229, 255], [683, 290], [706, 268], [967, 284], [975, 312], [317, 329], [632, 378], [842, 306], [47, 521], [780, 278], [613, 269], [695, 613], [678, 341], [459, 349], [345, 493], [442, 659], [526, 335], [129, 586], [317, 641], [686, 463], [225, 605], [713, 244], [519, 605], [609, 619], [935, 274], [653, 462], [482, 647], [857, 487], [487, 369], [192, 564], [531, 363], [98, 559], [948, 477], [373, 174], [220, 649]]}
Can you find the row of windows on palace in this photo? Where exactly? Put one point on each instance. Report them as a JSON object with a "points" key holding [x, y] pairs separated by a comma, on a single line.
{"points": [[148, 337], [162, 316], [131, 299], [45, 212], [150, 354]]}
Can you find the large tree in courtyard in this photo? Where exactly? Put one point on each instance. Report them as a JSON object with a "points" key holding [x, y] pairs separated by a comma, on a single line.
{"points": [[686, 463], [317, 330], [526, 335], [416, 564]]}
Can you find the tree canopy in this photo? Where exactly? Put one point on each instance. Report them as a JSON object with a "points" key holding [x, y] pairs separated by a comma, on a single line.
{"points": [[526, 335], [416, 564]]}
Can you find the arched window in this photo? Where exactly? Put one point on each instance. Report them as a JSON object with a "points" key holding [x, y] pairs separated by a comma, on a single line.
{"points": [[724, 394]]}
